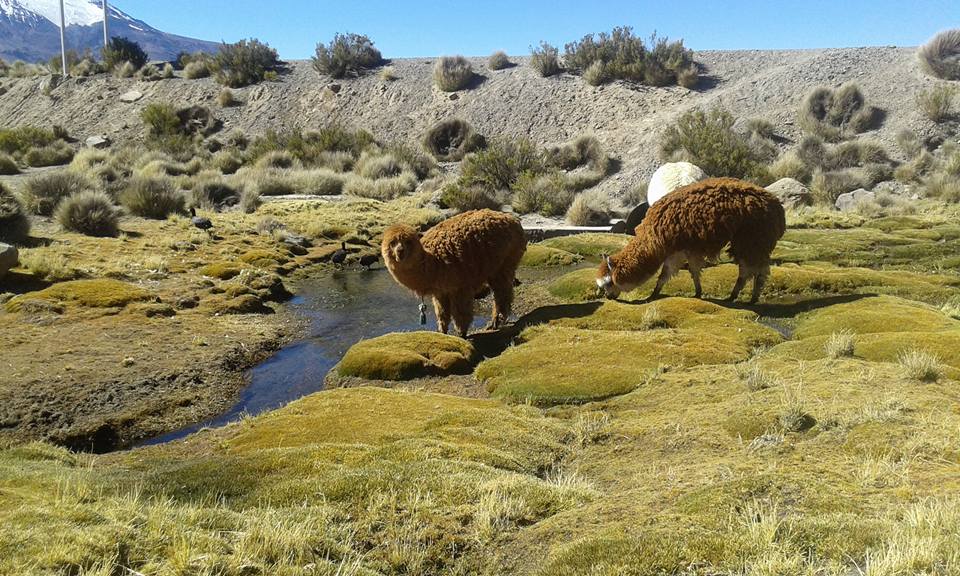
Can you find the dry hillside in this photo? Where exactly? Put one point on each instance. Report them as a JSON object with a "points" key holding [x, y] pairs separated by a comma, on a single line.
{"points": [[514, 102]]}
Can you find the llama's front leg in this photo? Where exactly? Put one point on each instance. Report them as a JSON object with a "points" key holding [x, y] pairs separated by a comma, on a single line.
{"points": [[441, 307], [462, 308], [502, 300], [759, 279], [670, 267], [742, 277], [696, 264]]}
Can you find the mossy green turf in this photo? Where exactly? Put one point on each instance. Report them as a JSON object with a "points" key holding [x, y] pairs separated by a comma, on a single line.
{"points": [[591, 244], [407, 355], [99, 293], [876, 314], [540, 255]]}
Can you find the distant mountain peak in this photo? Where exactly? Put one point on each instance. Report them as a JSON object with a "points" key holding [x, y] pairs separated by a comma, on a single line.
{"points": [[29, 30]]}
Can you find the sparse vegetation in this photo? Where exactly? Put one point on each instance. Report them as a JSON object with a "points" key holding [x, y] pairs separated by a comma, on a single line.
{"points": [[41, 194], [226, 98], [120, 51], [55, 154], [620, 55], [160, 120], [937, 102], [452, 73], [589, 209], [8, 166], [152, 198], [14, 222], [940, 56], [466, 198], [920, 365], [245, 62], [197, 69], [706, 138], [90, 213], [839, 344], [545, 59], [498, 60], [346, 54], [450, 140]]}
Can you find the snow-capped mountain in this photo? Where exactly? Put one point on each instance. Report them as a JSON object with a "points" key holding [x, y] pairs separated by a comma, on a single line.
{"points": [[30, 30]]}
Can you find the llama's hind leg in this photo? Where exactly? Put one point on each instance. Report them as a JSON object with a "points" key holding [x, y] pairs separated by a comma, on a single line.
{"points": [[745, 273], [462, 305], [759, 279], [441, 307], [502, 300], [695, 263], [670, 267]]}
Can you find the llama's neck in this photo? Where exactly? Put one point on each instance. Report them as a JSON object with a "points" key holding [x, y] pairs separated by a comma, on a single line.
{"points": [[418, 274], [638, 260]]}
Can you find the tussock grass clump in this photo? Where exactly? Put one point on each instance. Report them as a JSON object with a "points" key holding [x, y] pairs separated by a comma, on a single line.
{"points": [[452, 73], [707, 138], [226, 161], [620, 55], [197, 69], [213, 193], [55, 154], [245, 62], [249, 200], [16, 141], [547, 194], [940, 56], [154, 198], [793, 416], [834, 114], [346, 54], [382, 188], [937, 103], [463, 198], [14, 222], [450, 140], [149, 73], [589, 209], [498, 60], [160, 119], [125, 70], [839, 344], [226, 98], [89, 213], [582, 151], [754, 376], [278, 159], [8, 166], [942, 186], [41, 194], [388, 74], [375, 165], [545, 59], [920, 365], [120, 51]]}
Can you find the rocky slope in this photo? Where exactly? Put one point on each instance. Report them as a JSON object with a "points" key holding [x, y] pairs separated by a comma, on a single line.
{"points": [[513, 102]]}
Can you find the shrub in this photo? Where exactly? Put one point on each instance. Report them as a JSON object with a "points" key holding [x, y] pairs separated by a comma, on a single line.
{"points": [[55, 154], [545, 59], [277, 159], [500, 165], [940, 56], [125, 70], [8, 166], [160, 119], [213, 193], [839, 344], [41, 194], [626, 57], [376, 166], [388, 74], [937, 103], [920, 365], [225, 99], [827, 186], [18, 140], [121, 50], [14, 222], [154, 198], [943, 187], [167, 71], [450, 140], [909, 143], [382, 189], [452, 73], [583, 151], [546, 194], [689, 77], [226, 161], [790, 165], [413, 158], [197, 69], [249, 200], [346, 54], [245, 62], [463, 198], [596, 73], [90, 213], [149, 73], [589, 209], [498, 60], [832, 114], [706, 138]]}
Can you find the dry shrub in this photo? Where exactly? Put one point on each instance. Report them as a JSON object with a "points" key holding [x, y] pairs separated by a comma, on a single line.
{"points": [[833, 114], [452, 73], [197, 69], [14, 222], [624, 56], [226, 98], [498, 60], [707, 138], [500, 165], [940, 56], [463, 198], [55, 154], [589, 209], [547, 194], [346, 54], [41, 194], [937, 103], [8, 166], [154, 198], [545, 59], [89, 213], [450, 140], [596, 73]]}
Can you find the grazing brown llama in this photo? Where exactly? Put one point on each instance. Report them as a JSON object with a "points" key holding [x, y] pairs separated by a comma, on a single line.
{"points": [[693, 224], [457, 259]]}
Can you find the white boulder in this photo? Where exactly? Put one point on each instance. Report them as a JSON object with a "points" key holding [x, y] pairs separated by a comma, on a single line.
{"points": [[671, 176]]}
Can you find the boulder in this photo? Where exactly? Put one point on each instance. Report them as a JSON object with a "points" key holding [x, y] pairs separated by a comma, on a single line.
{"points": [[9, 257], [847, 202], [892, 187], [97, 142], [791, 192], [131, 96]]}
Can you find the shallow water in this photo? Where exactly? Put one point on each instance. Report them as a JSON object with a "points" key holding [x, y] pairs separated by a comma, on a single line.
{"points": [[342, 307]]}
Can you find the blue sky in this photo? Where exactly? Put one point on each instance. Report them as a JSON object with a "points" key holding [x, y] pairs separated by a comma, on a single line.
{"points": [[407, 29]]}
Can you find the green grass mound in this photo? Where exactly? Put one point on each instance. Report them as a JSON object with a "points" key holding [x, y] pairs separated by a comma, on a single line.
{"points": [[680, 314], [100, 293], [221, 270], [379, 481], [406, 355], [539, 255], [560, 365], [590, 244], [787, 283], [869, 315], [898, 242], [882, 347]]}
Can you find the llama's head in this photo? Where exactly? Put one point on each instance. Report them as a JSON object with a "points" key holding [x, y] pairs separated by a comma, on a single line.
{"points": [[401, 246], [619, 274], [605, 283]]}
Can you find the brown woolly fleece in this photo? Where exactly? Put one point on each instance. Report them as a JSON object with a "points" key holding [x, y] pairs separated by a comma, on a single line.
{"points": [[455, 260], [693, 224]]}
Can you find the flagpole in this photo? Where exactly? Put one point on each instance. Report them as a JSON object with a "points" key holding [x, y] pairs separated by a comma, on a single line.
{"points": [[63, 40], [106, 36]]}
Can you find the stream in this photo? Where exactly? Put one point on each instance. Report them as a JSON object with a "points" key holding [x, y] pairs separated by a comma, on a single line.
{"points": [[342, 308]]}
